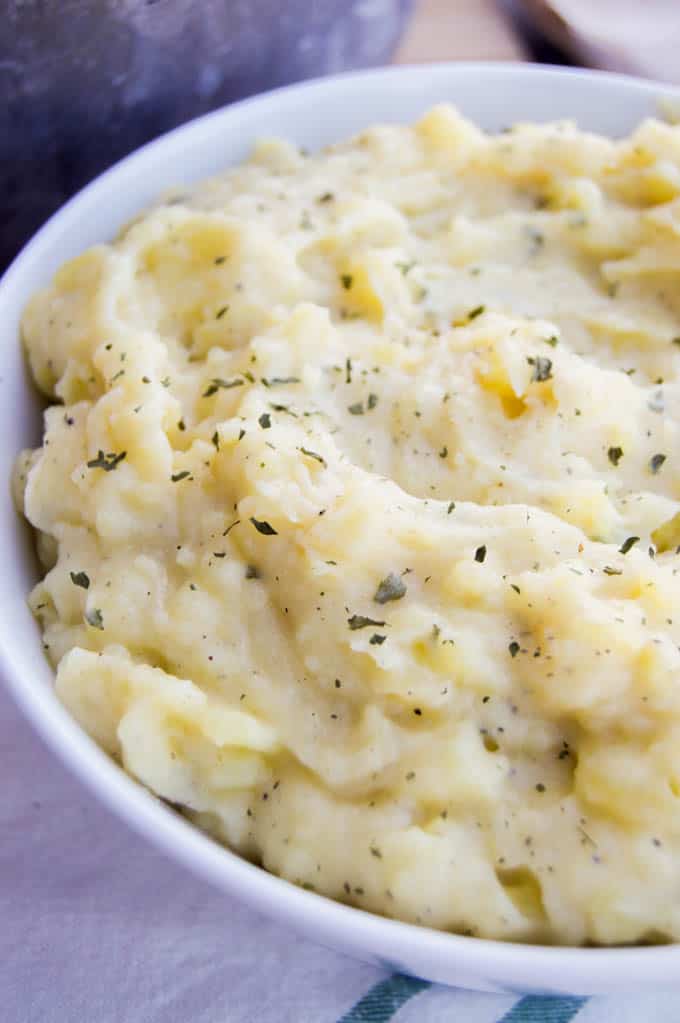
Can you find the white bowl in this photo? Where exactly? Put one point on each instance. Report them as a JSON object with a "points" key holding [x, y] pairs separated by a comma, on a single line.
{"points": [[312, 114]]}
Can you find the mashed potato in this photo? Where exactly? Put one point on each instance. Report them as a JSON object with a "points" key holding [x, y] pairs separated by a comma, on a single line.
{"points": [[359, 501]]}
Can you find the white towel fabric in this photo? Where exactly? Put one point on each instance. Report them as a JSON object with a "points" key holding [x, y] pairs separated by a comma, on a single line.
{"points": [[98, 927]]}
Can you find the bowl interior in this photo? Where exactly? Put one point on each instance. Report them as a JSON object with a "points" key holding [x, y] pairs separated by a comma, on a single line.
{"points": [[312, 114]]}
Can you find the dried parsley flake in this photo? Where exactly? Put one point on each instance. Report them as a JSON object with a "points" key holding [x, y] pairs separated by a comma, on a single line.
{"points": [[314, 455], [217, 383], [263, 527], [392, 587], [278, 381], [94, 618], [361, 622], [542, 368], [107, 462]]}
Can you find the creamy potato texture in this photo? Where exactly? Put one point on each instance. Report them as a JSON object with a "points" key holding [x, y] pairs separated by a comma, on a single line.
{"points": [[359, 502]]}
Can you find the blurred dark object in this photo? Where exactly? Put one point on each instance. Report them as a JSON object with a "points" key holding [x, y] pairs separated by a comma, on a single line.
{"points": [[637, 37], [83, 82], [540, 47]]}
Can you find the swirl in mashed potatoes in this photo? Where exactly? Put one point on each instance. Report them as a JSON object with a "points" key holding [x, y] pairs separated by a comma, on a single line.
{"points": [[359, 501]]}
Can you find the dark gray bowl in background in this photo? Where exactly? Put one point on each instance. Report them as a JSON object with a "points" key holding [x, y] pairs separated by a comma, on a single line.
{"points": [[83, 82]]}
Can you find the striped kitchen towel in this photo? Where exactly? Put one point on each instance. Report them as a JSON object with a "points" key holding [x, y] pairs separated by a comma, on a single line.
{"points": [[97, 927]]}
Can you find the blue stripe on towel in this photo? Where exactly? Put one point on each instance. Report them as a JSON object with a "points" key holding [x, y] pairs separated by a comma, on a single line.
{"points": [[539, 1009], [380, 1003]]}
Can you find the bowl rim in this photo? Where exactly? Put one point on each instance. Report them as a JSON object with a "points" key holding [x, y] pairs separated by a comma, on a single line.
{"points": [[358, 932]]}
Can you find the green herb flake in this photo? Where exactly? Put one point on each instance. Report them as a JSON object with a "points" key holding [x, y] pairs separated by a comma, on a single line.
{"points": [[405, 267], [265, 421], [444, 452], [474, 313], [277, 381], [357, 409], [165, 382], [348, 370], [219, 260], [628, 543], [177, 476], [513, 648], [480, 553], [376, 639], [181, 425], [95, 618], [347, 281], [220, 312], [657, 402], [326, 197], [608, 570], [107, 462], [216, 440], [655, 463], [392, 587], [542, 368], [450, 507], [362, 622], [263, 527], [615, 455], [81, 579], [553, 340], [217, 383], [372, 401], [252, 572], [314, 455], [282, 408]]}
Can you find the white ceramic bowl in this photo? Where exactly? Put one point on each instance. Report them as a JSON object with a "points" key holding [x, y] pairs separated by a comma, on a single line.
{"points": [[312, 114]]}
